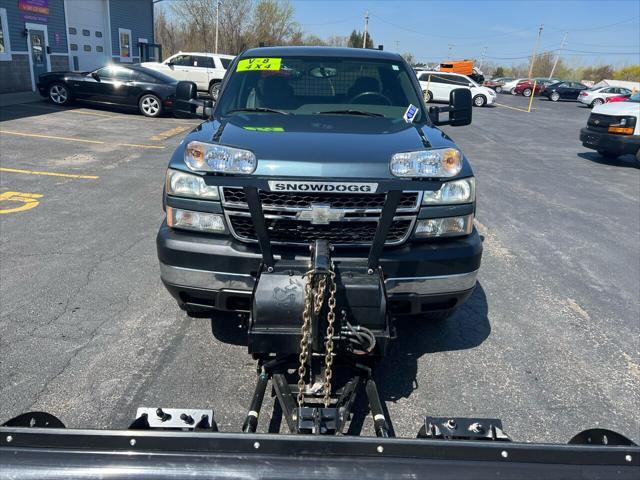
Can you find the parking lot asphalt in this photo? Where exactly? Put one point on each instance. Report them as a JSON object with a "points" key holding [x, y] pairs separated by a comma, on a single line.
{"points": [[549, 341]]}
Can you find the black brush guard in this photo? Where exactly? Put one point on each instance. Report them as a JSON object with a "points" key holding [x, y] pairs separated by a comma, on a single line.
{"points": [[176, 443]]}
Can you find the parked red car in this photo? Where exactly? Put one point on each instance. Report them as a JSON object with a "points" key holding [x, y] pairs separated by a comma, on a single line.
{"points": [[525, 87], [617, 98]]}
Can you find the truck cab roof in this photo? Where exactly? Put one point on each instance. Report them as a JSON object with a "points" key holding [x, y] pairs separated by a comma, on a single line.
{"points": [[364, 53]]}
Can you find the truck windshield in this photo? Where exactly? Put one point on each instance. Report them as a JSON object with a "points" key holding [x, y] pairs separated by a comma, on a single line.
{"points": [[320, 86]]}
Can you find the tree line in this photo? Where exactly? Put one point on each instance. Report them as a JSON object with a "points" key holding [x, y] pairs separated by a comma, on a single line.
{"points": [[189, 25]]}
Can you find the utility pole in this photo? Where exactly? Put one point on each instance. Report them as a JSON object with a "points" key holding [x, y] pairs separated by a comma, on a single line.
{"points": [[217, 23], [535, 50], [398, 46], [555, 62], [366, 27], [484, 52], [451, 45]]}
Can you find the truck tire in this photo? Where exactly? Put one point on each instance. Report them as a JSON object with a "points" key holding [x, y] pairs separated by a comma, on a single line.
{"points": [[214, 90], [608, 155], [438, 316]]}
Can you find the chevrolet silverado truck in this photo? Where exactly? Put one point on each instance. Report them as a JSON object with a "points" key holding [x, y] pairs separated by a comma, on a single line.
{"points": [[324, 128], [613, 129]]}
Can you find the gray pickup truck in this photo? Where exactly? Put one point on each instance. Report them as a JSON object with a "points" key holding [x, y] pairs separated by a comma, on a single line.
{"points": [[324, 128]]}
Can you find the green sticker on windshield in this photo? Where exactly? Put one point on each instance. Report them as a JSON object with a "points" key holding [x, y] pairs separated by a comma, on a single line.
{"points": [[264, 129], [250, 64]]}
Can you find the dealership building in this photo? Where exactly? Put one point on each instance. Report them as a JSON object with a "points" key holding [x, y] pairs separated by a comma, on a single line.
{"points": [[38, 36]]}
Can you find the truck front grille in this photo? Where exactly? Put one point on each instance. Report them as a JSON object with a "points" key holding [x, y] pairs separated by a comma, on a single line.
{"points": [[293, 231], [288, 200]]}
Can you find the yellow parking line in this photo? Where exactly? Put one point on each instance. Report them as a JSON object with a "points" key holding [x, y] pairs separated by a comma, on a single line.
{"points": [[81, 140], [53, 137], [91, 113], [513, 108], [58, 109], [171, 132], [159, 147], [50, 174]]}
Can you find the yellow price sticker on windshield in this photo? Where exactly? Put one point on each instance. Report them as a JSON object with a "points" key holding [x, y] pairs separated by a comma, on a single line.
{"points": [[250, 64]]}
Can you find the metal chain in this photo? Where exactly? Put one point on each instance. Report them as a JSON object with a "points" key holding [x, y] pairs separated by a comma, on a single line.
{"points": [[328, 359], [304, 341]]}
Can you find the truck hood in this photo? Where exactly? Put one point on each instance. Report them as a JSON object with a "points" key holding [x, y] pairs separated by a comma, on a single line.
{"points": [[339, 146], [618, 108]]}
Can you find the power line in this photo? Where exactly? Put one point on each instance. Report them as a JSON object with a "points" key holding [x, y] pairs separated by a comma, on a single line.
{"points": [[627, 20]]}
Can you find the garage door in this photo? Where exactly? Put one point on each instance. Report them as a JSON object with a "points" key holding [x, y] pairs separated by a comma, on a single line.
{"points": [[87, 32]]}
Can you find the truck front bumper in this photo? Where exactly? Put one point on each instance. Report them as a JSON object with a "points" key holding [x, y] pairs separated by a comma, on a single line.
{"points": [[201, 271], [610, 142]]}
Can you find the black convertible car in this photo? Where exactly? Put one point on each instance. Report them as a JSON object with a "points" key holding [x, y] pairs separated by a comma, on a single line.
{"points": [[135, 86]]}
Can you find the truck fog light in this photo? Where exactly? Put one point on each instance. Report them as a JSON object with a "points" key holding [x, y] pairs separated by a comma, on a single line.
{"points": [[444, 227], [198, 221]]}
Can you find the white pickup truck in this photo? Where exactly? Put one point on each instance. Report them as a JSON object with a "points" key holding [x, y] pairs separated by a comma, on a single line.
{"points": [[205, 69], [613, 129]]}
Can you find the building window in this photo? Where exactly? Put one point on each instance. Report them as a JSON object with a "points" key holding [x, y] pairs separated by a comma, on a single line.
{"points": [[72, 31], [125, 44], [86, 33], [87, 48], [5, 47], [98, 34], [99, 48], [73, 47]]}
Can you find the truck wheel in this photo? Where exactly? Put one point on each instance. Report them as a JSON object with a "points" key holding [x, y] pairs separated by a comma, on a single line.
{"points": [[59, 94], [596, 102], [479, 100], [428, 96], [214, 91], [608, 155], [150, 105], [439, 316], [526, 92]]}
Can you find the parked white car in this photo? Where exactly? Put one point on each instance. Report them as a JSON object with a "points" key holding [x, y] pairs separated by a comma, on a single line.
{"points": [[436, 86], [597, 96], [205, 69], [509, 86]]}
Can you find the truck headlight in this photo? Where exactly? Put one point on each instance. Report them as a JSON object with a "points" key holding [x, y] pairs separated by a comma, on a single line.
{"points": [[182, 184], [444, 227], [207, 157], [198, 221], [457, 191], [439, 162]]}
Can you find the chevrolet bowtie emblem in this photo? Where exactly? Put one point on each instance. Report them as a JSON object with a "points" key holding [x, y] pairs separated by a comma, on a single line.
{"points": [[320, 215], [597, 122]]}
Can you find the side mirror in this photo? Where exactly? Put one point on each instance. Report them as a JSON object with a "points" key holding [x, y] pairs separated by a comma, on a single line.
{"points": [[187, 104], [95, 76], [460, 109]]}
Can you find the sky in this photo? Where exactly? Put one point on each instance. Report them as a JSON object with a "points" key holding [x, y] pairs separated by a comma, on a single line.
{"points": [[506, 28]]}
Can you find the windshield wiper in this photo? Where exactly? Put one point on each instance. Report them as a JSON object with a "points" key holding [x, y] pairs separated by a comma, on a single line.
{"points": [[351, 112], [258, 109]]}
